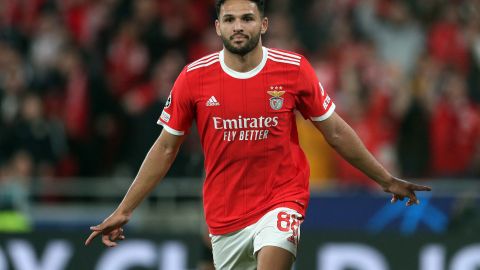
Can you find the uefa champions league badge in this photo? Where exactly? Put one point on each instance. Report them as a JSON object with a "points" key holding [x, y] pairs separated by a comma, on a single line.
{"points": [[276, 101], [169, 101]]}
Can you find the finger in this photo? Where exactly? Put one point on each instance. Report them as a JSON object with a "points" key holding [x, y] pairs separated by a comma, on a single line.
{"points": [[91, 237], [107, 242], [113, 235], [419, 187], [97, 227], [412, 199], [410, 202], [104, 227], [121, 235]]}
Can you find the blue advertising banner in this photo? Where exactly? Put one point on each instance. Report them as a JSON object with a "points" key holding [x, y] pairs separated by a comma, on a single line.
{"points": [[373, 213]]}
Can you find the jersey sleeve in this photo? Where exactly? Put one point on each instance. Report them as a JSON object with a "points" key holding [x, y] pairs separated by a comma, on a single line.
{"points": [[177, 115], [312, 100]]}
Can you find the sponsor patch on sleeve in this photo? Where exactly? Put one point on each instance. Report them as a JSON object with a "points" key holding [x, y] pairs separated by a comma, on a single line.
{"points": [[326, 102], [165, 116]]}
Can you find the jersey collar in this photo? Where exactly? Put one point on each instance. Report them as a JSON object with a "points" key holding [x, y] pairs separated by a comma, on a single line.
{"points": [[244, 75]]}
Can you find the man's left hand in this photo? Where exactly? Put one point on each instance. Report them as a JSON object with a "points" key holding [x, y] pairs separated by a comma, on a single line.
{"points": [[401, 189]]}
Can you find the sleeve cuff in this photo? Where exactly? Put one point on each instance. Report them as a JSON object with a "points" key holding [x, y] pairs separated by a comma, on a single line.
{"points": [[169, 129], [326, 115]]}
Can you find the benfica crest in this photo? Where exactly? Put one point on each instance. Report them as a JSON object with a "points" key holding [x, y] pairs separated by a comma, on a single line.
{"points": [[276, 101]]}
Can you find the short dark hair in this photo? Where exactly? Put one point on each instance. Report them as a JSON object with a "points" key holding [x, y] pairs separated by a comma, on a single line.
{"points": [[260, 6]]}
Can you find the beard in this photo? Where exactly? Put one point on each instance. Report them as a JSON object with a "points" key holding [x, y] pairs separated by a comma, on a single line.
{"points": [[249, 45]]}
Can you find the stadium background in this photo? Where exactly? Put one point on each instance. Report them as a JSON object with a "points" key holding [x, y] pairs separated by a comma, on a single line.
{"points": [[82, 83]]}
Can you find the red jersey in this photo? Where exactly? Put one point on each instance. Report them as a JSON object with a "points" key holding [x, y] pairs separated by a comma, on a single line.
{"points": [[247, 128]]}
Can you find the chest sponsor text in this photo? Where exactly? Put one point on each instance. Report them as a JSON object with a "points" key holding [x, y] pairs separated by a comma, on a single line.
{"points": [[245, 128]]}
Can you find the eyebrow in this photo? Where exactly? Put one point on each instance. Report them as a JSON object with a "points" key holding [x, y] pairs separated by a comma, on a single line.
{"points": [[250, 14]]}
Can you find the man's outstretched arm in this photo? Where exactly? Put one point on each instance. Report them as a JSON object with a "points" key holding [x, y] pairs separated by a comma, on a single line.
{"points": [[346, 142], [154, 167]]}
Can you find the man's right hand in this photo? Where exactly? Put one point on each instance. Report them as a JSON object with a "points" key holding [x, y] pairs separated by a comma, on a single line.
{"points": [[111, 230]]}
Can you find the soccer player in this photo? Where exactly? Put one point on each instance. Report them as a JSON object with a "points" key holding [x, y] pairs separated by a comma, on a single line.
{"points": [[243, 100]]}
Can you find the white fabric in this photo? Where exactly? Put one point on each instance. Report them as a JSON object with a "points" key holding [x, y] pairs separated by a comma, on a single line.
{"points": [[326, 115], [238, 250], [243, 75], [170, 130]]}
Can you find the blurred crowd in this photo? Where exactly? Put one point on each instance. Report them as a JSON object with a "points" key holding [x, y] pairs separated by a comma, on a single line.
{"points": [[82, 82]]}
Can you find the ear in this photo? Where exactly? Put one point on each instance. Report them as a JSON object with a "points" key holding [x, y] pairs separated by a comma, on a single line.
{"points": [[217, 28], [264, 28]]}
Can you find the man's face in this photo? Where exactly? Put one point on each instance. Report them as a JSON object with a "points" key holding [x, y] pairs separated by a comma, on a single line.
{"points": [[240, 26]]}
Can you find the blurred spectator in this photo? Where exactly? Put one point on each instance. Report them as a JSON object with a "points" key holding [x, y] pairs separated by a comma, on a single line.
{"points": [[127, 59], [369, 96], [143, 106], [472, 35], [281, 34], [455, 130], [70, 102], [398, 38], [13, 80], [413, 134], [48, 38], [16, 182], [41, 139], [207, 44], [21, 14], [85, 19], [12, 89], [447, 42], [15, 186]]}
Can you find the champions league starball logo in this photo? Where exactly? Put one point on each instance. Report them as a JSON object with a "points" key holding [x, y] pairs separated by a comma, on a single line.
{"points": [[169, 101], [276, 101]]}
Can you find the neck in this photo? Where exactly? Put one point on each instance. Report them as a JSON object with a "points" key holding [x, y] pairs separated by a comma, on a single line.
{"points": [[244, 63]]}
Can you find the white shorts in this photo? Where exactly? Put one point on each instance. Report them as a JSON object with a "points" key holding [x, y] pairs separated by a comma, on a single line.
{"points": [[238, 250]]}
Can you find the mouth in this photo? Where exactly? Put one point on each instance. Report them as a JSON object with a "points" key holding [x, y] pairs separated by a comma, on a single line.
{"points": [[238, 37]]}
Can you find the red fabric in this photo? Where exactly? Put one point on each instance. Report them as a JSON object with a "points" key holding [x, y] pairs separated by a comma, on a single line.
{"points": [[197, 50], [198, 16], [447, 45], [21, 14], [72, 105], [126, 62], [245, 178], [11, 13], [76, 20], [141, 97], [166, 8], [76, 113], [455, 134]]}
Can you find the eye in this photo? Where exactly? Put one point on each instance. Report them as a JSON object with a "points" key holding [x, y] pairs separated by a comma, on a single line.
{"points": [[248, 19], [228, 19]]}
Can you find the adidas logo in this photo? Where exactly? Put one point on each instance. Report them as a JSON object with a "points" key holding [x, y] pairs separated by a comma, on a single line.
{"points": [[212, 101]]}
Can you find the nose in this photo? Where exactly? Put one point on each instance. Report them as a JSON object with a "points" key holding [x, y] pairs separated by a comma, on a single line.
{"points": [[237, 26]]}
